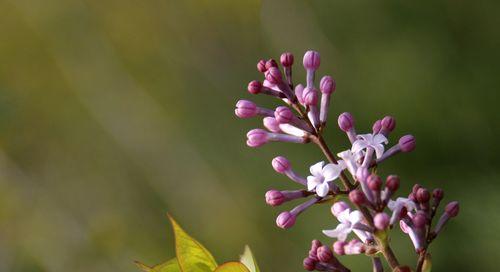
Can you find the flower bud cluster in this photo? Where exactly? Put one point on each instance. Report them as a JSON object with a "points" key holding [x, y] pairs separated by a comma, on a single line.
{"points": [[351, 174]]}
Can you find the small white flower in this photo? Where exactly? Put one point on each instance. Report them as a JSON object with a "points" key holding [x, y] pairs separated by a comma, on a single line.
{"points": [[400, 203], [351, 160], [347, 220], [321, 176], [364, 141]]}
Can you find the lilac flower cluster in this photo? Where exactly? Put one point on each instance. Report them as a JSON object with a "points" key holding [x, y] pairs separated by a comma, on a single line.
{"points": [[351, 174]]}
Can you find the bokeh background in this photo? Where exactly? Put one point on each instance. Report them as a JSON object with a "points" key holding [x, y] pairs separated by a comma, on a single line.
{"points": [[113, 113]]}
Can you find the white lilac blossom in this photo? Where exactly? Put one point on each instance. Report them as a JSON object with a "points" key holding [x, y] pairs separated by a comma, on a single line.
{"points": [[348, 219], [365, 141], [301, 117], [322, 175]]}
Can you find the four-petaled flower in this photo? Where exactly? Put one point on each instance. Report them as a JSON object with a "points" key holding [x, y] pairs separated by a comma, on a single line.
{"points": [[351, 160], [364, 141], [321, 176], [347, 221]]}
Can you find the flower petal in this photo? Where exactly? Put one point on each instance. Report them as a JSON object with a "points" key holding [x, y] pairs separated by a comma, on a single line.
{"points": [[379, 150], [355, 217], [322, 189], [331, 171], [312, 182], [359, 145], [380, 139], [340, 230], [344, 216], [317, 168]]}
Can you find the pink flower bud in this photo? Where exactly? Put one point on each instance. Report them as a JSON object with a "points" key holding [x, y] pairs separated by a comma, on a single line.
{"points": [[285, 220], [254, 87], [388, 123], [392, 183], [271, 63], [273, 75], [283, 115], [452, 209], [245, 109], [357, 197], [415, 189], [299, 91], [311, 60], [338, 247], [309, 264], [346, 121], [423, 195], [339, 207], [271, 124], [310, 96], [280, 164], [438, 194], [286, 59], [324, 254], [419, 220], [327, 85], [374, 182], [407, 143], [377, 126], [381, 221], [257, 137], [274, 198], [261, 66]]}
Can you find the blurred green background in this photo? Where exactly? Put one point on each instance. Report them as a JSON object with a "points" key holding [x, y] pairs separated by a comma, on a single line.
{"points": [[114, 112]]}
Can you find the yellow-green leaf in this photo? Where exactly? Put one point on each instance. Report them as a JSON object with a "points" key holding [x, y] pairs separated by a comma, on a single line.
{"points": [[427, 266], [191, 255], [232, 267], [169, 266], [249, 260]]}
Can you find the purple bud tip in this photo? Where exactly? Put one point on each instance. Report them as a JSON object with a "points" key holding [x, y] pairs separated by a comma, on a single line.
{"points": [[419, 220], [310, 96], [261, 66], [339, 207], [357, 197], [392, 183], [273, 75], [346, 121], [338, 247], [256, 137], [280, 164], [381, 221], [311, 60], [377, 126], [452, 209], [254, 87], [286, 59], [271, 63], [415, 188], [315, 244], [327, 85], [309, 264], [388, 123], [438, 193], [274, 198], [423, 195], [283, 115], [324, 254], [245, 109], [407, 143], [285, 220], [272, 124], [374, 182]]}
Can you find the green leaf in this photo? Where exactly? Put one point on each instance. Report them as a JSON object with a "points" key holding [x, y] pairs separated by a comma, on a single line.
{"points": [[249, 260], [427, 266], [169, 266], [191, 255], [232, 267]]}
